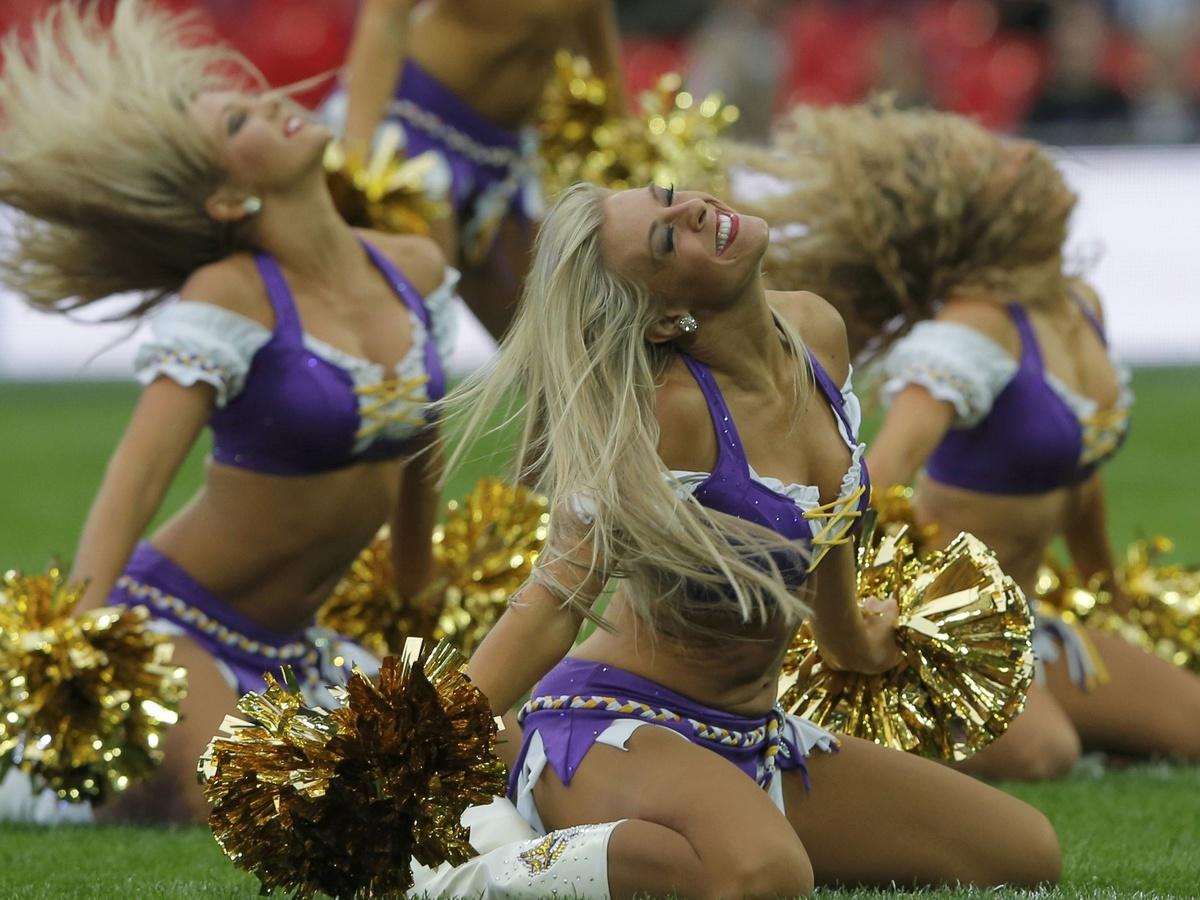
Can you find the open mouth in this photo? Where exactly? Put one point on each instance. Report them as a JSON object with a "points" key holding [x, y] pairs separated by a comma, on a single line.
{"points": [[292, 125], [727, 229]]}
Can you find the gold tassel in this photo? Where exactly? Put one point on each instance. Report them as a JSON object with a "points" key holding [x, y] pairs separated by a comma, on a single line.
{"points": [[85, 698], [964, 631], [341, 801], [483, 552], [672, 141], [390, 193], [1164, 613]]}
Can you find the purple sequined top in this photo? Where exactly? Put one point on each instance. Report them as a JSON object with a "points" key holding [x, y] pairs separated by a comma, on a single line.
{"points": [[1031, 440], [299, 413], [731, 487]]}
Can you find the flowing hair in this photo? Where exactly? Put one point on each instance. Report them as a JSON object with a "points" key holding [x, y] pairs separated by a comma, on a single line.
{"points": [[577, 372], [902, 210], [107, 171]]}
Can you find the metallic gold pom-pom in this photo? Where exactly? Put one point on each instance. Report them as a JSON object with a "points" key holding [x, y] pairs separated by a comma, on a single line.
{"points": [[1163, 616], [483, 552], [366, 608], [673, 140], [964, 630], [84, 698], [894, 508], [389, 193], [341, 801]]}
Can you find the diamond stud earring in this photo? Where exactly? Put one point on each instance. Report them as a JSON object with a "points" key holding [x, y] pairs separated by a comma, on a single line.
{"points": [[687, 324], [252, 206]]}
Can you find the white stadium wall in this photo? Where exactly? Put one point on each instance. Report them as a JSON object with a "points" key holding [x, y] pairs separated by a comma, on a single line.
{"points": [[1137, 230]]}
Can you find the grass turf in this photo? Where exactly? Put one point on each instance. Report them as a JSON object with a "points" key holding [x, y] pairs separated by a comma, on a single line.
{"points": [[1134, 833]]}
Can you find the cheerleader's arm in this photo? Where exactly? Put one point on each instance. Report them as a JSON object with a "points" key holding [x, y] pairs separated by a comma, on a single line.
{"points": [[166, 423], [1086, 532]]}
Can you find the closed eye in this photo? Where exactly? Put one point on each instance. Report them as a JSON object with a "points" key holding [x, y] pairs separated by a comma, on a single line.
{"points": [[235, 122]]}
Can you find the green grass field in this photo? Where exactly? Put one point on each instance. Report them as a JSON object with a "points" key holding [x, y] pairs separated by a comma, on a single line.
{"points": [[1133, 833]]}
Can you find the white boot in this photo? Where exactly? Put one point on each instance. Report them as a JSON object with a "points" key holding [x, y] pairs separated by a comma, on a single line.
{"points": [[571, 862]]}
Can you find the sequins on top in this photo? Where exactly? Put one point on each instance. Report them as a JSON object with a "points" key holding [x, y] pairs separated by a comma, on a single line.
{"points": [[290, 404], [1017, 428], [793, 511]]}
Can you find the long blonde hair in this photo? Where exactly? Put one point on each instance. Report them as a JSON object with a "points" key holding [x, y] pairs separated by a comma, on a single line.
{"points": [[903, 211], [100, 158], [577, 367]]}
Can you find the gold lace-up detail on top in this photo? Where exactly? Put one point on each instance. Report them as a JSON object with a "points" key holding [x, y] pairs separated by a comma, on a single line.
{"points": [[839, 517], [393, 400]]}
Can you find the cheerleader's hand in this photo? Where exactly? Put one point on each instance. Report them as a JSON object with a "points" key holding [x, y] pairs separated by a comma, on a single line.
{"points": [[879, 625], [874, 648]]}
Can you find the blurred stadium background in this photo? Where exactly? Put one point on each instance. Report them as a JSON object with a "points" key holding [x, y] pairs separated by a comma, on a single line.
{"points": [[1114, 84]]}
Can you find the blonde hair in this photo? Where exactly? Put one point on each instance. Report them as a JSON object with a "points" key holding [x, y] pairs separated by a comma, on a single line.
{"points": [[99, 156], [577, 371], [904, 211]]}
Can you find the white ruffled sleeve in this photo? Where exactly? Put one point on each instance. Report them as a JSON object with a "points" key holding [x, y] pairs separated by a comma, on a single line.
{"points": [[852, 406], [443, 317], [955, 363], [192, 342]]}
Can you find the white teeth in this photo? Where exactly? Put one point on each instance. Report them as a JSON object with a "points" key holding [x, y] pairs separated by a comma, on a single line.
{"points": [[725, 224]]}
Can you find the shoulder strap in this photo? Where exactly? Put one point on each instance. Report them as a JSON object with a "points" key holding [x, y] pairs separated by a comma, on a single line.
{"points": [[1089, 314], [833, 393], [728, 439], [416, 305], [1029, 346], [287, 323]]}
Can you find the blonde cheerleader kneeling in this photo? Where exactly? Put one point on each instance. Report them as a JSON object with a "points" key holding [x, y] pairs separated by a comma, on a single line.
{"points": [[697, 436]]}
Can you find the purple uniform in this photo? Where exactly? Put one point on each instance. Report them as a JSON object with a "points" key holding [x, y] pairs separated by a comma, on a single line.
{"points": [[581, 703], [290, 405], [1017, 430]]}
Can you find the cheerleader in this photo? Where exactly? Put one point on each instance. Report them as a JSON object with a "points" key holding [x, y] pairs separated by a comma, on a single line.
{"points": [[943, 245], [463, 78], [140, 157], [698, 438]]}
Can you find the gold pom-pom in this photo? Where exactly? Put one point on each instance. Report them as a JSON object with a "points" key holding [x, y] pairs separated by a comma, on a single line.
{"points": [[964, 630], [1163, 616], [84, 698], [342, 801], [389, 193], [672, 141], [894, 510], [483, 552], [366, 608]]}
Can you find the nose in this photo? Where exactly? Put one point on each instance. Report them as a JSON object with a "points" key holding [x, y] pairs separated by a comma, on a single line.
{"points": [[271, 104], [694, 212]]}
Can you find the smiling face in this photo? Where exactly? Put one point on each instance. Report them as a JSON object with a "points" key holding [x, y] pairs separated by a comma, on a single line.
{"points": [[688, 248], [265, 143]]}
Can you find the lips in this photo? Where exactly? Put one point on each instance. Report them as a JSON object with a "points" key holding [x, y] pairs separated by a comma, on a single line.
{"points": [[727, 229]]}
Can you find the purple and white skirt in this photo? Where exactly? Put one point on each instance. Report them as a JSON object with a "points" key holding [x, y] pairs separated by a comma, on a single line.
{"points": [[242, 649], [582, 703]]}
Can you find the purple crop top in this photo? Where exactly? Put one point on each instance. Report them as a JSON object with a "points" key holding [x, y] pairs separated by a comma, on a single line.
{"points": [[1035, 435], [792, 511], [288, 404]]}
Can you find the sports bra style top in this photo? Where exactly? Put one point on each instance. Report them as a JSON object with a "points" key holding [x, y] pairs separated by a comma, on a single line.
{"points": [[1017, 429], [793, 511], [289, 404]]}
